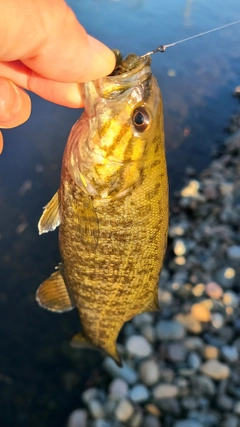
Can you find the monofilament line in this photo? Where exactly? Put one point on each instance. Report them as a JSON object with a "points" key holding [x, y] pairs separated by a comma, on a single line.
{"points": [[163, 47]]}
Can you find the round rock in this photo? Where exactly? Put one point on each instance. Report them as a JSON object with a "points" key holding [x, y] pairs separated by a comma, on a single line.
{"points": [[118, 387], [215, 369], [149, 372], [124, 410], [139, 393], [213, 290], [201, 312], [170, 330], [78, 418], [138, 346], [165, 391], [187, 423]]}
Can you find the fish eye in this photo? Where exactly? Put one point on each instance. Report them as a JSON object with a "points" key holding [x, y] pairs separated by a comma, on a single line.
{"points": [[141, 119]]}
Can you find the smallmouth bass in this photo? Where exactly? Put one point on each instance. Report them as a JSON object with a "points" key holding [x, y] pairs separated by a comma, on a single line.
{"points": [[111, 208]]}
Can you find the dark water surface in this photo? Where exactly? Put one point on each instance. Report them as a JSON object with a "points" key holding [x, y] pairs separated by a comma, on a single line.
{"points": [[41, 377]]}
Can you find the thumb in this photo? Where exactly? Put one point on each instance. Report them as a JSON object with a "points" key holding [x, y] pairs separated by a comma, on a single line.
{"points": [[15, 105]]}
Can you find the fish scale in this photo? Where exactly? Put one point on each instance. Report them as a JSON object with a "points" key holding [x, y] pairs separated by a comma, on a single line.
{"points": [[111, 208]]}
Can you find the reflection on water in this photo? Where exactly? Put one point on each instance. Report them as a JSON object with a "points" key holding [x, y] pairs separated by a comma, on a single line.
{"points": [[41, 377]]}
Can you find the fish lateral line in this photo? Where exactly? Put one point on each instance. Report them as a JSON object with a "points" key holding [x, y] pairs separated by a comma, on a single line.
{"points": [[162, 47]]}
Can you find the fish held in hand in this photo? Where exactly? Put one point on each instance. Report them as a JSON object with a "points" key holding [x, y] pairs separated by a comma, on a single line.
{"points": [[111, 207]]}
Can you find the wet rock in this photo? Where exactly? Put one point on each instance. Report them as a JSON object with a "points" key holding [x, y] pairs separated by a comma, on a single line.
{"points": [[230, 298], [194, 343], [96, 409], [194, 360], [233, 253], [215, 369], [151, 421], [100, 423], [136, 420], [118, 387], [225, 403], [139, 393], [211, 352], [78, 418], [213, 290], [169, 406], [170, 330], [189, 402], [188, 423], [200, 312], [229, 354], [124, 410], [165, 391], [148, 331], [230, 421], [149, 372], [126, 372], [226, 277], [142, 319], [138, 346], [189, 322], [203, 386], [176, 352], [217, 320]]}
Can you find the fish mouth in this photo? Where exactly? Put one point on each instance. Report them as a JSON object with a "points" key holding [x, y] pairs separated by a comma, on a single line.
{"points": [[115, 86]]}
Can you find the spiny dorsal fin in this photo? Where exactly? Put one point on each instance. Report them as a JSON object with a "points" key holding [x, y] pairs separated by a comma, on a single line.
{"points": [[50, 218], [52, 294]]}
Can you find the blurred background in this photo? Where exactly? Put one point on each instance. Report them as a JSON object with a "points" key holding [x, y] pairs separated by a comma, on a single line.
{"points": [[41, 377]]}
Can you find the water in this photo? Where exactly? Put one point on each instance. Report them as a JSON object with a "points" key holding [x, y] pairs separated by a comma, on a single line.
{"points": [[41, 377]]}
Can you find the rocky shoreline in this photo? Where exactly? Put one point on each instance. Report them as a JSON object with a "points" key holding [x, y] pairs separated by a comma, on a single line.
{"points": [[182, 366]]}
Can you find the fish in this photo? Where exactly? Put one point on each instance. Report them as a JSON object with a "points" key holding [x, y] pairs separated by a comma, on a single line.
{"points": [[111, 207]]}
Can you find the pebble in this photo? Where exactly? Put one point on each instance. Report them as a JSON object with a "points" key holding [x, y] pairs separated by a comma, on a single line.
{"points": [[215, 369], [217, 320], [230, 298], [126, 372], [168, 330], [139, 393], [78, 418], [187, 423], [165, 391], [203, 386], [194, 343], [211, 352], [148, 331], [213, 290], [200, 312], [176, 352], [151, 421], [136, 420], [189, 322], [230, 421], [229, 354], [142, 319], [100, 423], [149, 372], [118, 387], [226, 277], [236, 408], [138, 346], [233, 253], [90, 394], [194, 360], [96, 409], [124, 410]]}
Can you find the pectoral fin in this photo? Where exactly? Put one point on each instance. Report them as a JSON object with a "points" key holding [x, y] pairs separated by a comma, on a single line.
{"points": [[52, 294], [80, 341], [50, 218]]}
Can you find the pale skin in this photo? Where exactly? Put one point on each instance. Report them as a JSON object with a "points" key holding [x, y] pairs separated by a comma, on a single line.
{"points": [[44, 49]]}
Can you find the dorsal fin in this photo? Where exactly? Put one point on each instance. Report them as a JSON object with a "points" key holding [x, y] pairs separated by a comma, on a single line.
{"points": [[50, 218]]}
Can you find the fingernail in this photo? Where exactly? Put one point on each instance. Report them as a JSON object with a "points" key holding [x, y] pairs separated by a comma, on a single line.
{"points": [[10, 100]]}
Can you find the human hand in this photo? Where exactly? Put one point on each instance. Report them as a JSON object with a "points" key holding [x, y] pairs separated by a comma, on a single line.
{"points": [[44, 49]]}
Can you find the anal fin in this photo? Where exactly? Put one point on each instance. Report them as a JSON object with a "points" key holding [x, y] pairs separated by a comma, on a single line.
{"points": [[52, 294]]}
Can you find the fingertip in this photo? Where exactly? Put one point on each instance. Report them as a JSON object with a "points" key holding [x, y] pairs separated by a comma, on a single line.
{"points": [[106, 59], [1, 143]]}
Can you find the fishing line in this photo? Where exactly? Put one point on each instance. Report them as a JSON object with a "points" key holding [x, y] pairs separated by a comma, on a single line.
{"points": [[163, 47]]}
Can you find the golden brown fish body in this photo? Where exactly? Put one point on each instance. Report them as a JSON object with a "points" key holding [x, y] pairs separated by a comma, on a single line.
{"points": [[113, 208]]}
